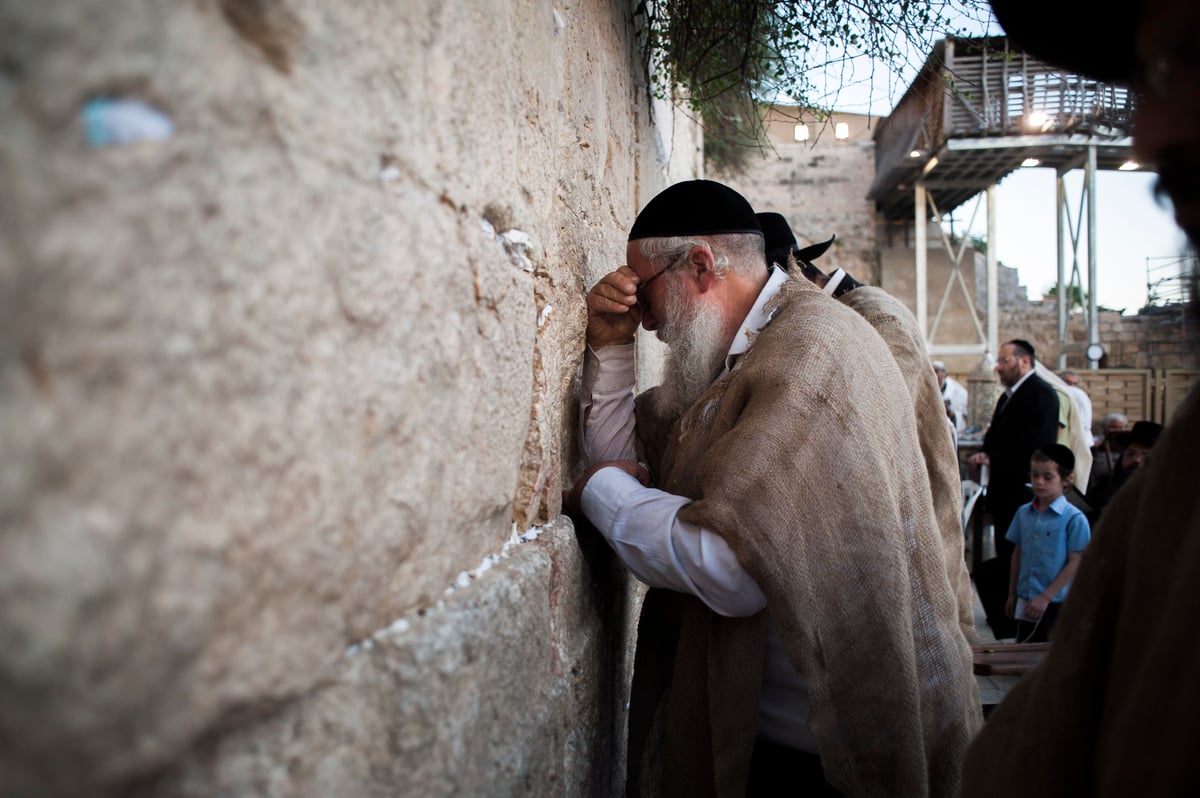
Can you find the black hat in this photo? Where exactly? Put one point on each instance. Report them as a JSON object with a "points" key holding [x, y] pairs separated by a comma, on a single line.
{"points": [[814, 251], [780, 240], [695, 208], [1074, 34], [1143, 432], [1023, 347]]}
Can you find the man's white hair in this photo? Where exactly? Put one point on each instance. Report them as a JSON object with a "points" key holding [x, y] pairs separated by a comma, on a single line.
{"points": [[743, 253]]}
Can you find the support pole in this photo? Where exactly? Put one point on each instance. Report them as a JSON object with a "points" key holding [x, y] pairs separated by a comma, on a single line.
{"points": [[920, 223], [1064, 301], [1093, 317], [993, 281]]}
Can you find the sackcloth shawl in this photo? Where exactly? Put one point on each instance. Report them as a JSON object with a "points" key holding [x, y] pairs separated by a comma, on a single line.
{"points": [[900, 331], [806, 460], [1114, 708]]}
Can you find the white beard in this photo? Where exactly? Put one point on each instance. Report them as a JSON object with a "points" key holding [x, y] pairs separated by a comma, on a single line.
{"points": [[695, 333]]}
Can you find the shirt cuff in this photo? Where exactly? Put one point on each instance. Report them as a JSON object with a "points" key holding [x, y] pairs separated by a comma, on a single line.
{"points": [[605, 494]]}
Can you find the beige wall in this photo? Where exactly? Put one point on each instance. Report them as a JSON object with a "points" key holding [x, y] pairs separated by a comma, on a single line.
{"points": [[820, 186], [280, 390]]}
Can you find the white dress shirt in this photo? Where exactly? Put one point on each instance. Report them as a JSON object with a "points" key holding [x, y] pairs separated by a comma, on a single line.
{"points": [[957, 394]]}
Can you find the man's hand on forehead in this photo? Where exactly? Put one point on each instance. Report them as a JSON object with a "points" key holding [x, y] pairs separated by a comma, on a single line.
{"points": [[612, 309]]}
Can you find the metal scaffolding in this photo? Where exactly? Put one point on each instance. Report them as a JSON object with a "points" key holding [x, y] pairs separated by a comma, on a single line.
{"points": [[977, 111]]}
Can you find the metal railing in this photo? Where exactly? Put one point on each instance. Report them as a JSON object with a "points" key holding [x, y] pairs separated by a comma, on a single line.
{"points": [[981, 87]]}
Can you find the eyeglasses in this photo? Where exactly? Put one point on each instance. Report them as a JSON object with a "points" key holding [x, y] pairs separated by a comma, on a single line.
{"points": [[1006, 359], [643, 303]]}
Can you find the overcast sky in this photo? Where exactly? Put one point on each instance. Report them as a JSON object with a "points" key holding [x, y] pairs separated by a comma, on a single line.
{"points": [[1131, 227]]}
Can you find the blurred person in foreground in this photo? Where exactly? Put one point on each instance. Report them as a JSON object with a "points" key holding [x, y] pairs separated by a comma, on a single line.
{"points": [[1114, 708], [800, 634]]}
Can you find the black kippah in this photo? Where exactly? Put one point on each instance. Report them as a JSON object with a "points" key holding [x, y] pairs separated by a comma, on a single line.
{"points": [[1057, 453], [695, 208]]}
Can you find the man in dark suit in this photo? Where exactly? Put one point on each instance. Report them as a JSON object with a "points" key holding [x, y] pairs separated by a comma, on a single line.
{"points": [[1026, 418]]}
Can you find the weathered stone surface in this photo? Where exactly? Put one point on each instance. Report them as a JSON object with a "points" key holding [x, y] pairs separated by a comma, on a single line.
{"points": [[274, 380], [820, 185], [499, 689]]}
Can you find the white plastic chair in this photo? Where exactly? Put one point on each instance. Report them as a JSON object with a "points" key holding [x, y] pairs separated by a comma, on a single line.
{"points": [[971, 491]]}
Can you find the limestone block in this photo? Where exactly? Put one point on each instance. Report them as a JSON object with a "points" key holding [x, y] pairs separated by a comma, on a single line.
{"points": [[514, 683]]}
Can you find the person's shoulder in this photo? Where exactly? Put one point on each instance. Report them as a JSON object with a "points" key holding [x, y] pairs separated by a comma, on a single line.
{"points": [[1062, 505], [1042, 390], [801, 309], [889, 317], [1036, 381], [814, 334], [1066, 509], [875, 299]]}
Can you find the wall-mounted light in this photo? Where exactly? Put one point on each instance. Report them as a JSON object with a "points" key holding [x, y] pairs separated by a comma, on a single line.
{"points": [[800, 132], [1128, 166], [1031, 162], [841, 130], [1038, 120], [916, 154]]}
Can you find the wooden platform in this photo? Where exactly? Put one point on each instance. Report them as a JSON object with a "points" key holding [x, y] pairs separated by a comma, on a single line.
{"points": [[1007, 659]]}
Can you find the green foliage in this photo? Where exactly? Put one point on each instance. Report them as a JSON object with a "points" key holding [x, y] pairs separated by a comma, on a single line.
{"points": [[722, 58], [1078, 298]]}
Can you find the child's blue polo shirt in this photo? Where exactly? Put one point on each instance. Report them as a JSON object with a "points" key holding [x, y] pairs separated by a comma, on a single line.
{"points": [[1045, 539]]}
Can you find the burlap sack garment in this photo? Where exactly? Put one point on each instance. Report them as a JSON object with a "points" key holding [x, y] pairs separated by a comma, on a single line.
{"points": [[895, 324], [806, 460]]}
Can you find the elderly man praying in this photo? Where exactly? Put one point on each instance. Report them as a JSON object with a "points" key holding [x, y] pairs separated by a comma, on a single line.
{"points": [[801, 630]]}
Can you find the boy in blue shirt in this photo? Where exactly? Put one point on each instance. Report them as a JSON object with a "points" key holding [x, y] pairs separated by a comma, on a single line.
{"points": [[1050, 534]]}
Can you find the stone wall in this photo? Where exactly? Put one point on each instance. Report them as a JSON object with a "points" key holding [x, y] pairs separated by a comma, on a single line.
{"points": [[1155, 338], [286, 393]]}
